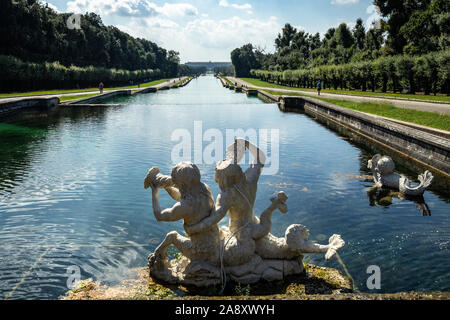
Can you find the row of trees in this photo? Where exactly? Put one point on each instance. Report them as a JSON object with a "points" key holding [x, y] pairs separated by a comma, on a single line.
{"points": [[409, 29], [297, 49], [245, 59], [185, 70], [226, 71], [429, 73], [15, 73], [35, 33]]}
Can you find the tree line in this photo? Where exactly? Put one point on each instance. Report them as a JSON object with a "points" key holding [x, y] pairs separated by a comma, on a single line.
{"points": [[15, 73], [428, 73], [37, 35], [408, 48], [224, 70], [185, 70]]}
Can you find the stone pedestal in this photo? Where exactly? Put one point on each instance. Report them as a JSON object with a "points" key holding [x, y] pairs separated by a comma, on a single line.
{"points": [[201, 274]]}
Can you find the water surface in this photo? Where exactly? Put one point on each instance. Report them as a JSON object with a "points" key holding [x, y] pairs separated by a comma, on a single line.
{"points": [[72, 196]]}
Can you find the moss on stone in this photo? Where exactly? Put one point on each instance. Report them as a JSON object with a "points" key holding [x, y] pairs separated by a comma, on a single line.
{"points": [[385, 201], [316, 280], [317, 283]]}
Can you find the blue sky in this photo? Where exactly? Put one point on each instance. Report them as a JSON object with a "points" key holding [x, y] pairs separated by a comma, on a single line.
{"points": [[204, 30]]}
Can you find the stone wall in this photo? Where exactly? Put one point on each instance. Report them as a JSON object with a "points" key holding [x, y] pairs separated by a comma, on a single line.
{"points": [[18, 104], [250, 92], [267, 97], [101, 97], [145, 90], [185, 83]]}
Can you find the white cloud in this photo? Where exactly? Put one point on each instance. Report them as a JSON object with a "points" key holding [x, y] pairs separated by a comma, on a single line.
{"points": [[245, 6], [198, 38], [344, 1], [158, 23], [374, 17], [350, 24], [227, 34], [205, 38], [138, 8], [242, 6], [178, 10], [51, 6], [121, 7]]}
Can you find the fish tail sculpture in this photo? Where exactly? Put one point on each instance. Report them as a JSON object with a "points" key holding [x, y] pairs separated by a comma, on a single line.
{"points": [[425, 180], [383, 167]]}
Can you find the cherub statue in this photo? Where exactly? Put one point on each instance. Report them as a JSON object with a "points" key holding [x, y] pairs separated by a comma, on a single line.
{"points": [[195, 202], [245, 249], [252, 235], [237, 198], [295, 243], [383, 167]]}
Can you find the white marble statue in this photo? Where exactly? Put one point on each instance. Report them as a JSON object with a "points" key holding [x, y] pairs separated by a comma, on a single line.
{"points": [[245, 251], [383, 167], [200, 254]]}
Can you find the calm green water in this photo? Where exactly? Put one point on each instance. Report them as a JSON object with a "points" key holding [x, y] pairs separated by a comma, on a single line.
{"points": [[71, 192]]}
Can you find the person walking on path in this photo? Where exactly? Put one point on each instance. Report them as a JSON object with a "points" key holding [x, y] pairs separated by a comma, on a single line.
{"points": [[100, 87], [319, 87]]}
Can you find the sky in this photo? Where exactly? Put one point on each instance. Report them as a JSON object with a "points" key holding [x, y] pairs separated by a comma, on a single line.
{"points": [[208, 30]]}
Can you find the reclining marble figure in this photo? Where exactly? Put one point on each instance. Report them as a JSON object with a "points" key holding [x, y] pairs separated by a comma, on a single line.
{"points": [[245, 250], [383, 167]]}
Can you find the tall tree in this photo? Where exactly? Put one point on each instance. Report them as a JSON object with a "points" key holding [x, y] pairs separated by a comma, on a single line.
{"points": [[373, 40], [244, 60], [359, 33], [314, 41], [397, 14], [285, 38], [343, 36], [425, 29]]}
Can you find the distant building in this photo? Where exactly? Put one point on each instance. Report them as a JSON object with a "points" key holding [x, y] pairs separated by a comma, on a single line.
{"points": [[208, 65]]}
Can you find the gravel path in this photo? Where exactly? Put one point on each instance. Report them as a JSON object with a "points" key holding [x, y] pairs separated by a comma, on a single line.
{"points": [[441, 108]]}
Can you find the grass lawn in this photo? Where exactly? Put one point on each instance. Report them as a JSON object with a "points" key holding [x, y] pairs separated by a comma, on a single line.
{"points": [[143, 85], [50, 92], [438, 98], [182, 81], [429, 119], [228, 81]]}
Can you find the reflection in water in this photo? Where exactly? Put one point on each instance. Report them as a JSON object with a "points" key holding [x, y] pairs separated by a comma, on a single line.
{"points": [[408, 167], [383, 197]]}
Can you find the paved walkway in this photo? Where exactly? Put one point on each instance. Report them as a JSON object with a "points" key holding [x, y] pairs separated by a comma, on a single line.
{"points": [[9, 99], [441, 108]]}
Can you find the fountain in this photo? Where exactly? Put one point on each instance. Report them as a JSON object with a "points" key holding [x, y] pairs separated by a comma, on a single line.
{"points": [[245, 251]]}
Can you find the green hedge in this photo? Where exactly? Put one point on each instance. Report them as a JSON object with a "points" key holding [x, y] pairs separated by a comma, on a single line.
{"points": [[428, 73], [15, 73]]}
